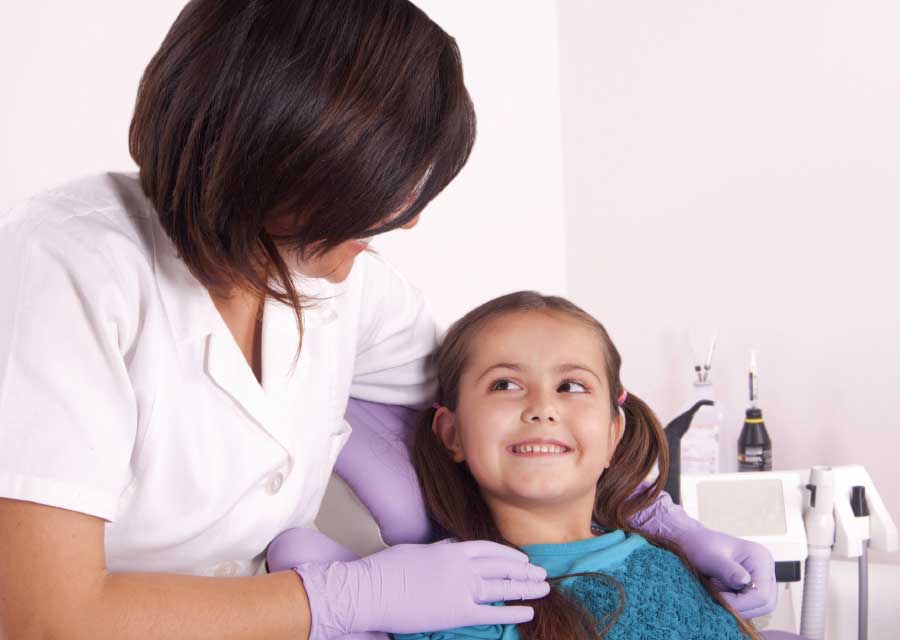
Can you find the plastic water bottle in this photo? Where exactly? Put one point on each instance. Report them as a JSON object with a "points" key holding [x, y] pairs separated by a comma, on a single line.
{"points": [[700, 445]]}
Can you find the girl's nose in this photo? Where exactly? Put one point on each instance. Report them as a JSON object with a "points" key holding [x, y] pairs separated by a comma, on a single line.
{"points": [[541, 412]]}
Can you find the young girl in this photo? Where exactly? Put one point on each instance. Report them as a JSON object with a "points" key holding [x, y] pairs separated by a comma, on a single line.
{"points": [[535, 443]]}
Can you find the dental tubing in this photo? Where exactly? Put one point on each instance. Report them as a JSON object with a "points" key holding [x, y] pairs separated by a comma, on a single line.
{"points": [[818, 518]]}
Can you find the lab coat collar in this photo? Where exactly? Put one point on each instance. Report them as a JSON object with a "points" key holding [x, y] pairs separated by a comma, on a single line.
{"points": [[188, 305], [280, 337], [193, 316]]}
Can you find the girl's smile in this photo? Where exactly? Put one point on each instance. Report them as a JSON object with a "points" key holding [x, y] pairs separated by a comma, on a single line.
{"points": [[539, 447]]}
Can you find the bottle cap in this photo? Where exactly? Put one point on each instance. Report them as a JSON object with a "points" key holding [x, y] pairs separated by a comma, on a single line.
{"points": [[754, 413]]}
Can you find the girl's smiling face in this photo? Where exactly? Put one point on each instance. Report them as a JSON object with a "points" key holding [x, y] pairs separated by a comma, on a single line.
{"points": [[533, 419]]}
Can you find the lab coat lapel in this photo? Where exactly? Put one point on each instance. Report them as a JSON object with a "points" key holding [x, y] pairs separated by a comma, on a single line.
{"points": [[279, 348], [281, 371], [280, 336], [193, 317], [228, 368], [300, 386]]}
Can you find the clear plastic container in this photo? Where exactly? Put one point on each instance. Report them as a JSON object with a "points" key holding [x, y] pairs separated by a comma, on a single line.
{"points": [[700, 445]]}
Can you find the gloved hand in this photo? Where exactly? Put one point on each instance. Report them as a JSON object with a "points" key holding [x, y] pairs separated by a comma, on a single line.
{"points": [[418, 588], [298, 545], [732, 564], [375, 464]]}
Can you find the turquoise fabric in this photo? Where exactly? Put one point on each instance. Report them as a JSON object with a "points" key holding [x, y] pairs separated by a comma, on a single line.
{"points": [[663, 600]]}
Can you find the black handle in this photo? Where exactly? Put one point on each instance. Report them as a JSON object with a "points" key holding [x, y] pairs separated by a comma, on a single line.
{"points": [[675, 430], [858, 501]]}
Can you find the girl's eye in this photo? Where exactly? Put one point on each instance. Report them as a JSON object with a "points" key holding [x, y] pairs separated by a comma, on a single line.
{"points": [[570, 386], [505, 385]]}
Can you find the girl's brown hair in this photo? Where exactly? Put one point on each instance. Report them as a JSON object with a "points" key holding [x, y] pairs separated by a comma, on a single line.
{"points": [[267, 125], [454, 499]]}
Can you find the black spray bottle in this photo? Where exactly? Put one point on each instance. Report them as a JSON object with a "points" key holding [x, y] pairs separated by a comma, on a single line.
{"points": [[754, 444]]}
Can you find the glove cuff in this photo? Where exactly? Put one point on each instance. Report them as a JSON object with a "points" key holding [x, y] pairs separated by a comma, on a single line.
{"points": [[665, 519], [324, 607]]}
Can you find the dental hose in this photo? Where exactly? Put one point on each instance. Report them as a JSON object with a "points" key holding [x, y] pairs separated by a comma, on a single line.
{"points": [[818, 518], [815, 594]]}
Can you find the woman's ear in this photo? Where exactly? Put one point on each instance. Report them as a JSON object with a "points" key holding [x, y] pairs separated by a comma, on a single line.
{"points": [[616, 431], [445, 428]]}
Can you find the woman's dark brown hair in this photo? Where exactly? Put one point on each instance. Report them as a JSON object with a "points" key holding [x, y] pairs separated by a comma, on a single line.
{"points": [[454, 499], [296, 125]]}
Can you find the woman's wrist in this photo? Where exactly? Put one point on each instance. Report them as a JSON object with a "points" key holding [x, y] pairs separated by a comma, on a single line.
{"points": [[298, 603]]}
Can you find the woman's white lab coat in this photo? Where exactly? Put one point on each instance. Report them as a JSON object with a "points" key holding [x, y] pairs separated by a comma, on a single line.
{"points": [[123, 394]]}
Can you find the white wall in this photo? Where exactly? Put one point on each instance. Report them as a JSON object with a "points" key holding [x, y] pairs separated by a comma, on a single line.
{"points": [[69, 73], [735, 165], [499, 227]]}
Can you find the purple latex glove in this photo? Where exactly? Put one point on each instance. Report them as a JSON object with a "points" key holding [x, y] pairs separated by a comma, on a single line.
{"points": [[732, 564], [308, 545], [375, 464], [298, 545], [413, 588]]}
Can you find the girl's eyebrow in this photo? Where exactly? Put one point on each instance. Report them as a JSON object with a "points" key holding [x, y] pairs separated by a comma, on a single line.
{"points": [[574, 366], [499, 365], [567, 367]]}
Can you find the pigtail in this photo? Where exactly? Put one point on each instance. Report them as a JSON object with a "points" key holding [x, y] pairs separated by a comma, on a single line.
{"points": [[642, 447], [451, 493]]}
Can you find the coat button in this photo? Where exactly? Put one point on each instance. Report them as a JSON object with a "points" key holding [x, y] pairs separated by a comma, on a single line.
{"points": [[227, 569], [274, 483]]}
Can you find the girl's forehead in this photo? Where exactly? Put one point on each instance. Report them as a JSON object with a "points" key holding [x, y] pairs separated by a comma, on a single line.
{"points": [[537, 336]]}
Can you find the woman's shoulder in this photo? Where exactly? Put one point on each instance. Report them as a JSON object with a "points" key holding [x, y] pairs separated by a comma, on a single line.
{"points": [[373, 270], [378, 292], [89, 242], [98, 214]]}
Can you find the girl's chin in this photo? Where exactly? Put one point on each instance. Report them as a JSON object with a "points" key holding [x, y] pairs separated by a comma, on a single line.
{"points": [[539, 496]]}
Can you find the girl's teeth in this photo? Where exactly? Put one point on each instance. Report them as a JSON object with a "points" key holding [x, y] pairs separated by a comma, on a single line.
{"points": [[543, 448]]}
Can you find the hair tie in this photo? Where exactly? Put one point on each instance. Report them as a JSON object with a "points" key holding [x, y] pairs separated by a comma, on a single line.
{"points": [[621, 400]]}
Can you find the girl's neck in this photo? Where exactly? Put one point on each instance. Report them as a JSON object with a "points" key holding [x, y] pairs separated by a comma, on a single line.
{"points": [[552, 524]]}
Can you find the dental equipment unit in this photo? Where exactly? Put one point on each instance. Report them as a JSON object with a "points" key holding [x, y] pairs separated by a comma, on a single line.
{"points": [[804, 518]]}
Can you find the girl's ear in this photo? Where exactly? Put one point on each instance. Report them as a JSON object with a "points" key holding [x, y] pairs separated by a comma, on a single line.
{"points": [[616, 431], [445, 428]]}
